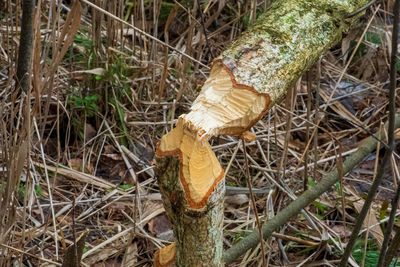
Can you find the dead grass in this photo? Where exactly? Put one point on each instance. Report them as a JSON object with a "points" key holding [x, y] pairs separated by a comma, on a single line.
{"points": [[103, 94]]}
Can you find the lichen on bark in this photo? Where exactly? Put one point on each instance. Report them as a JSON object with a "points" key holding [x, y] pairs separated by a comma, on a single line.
{"points": [[285, 41]]}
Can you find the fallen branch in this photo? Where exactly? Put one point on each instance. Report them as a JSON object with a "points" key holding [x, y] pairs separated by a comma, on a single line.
{"points": [[245, 81], [366, 147]]}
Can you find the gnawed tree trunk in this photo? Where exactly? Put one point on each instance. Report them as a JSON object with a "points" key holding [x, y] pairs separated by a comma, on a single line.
{"points": [[244, 82], [190, 181]]}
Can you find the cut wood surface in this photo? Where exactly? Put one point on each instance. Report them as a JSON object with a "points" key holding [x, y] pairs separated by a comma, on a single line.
{"points": [[199, 167], [246, 80], [165, 257], [198, 231]]}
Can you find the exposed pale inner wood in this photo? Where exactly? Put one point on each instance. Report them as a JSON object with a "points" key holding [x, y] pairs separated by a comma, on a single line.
{"points": [[200, 169], [166, 254], [224, 107]]}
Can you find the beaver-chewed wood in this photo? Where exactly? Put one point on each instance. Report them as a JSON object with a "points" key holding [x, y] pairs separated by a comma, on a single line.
{"points": [[245, 81]]}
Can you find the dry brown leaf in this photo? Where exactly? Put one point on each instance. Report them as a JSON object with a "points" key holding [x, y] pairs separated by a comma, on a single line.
{"points": [[341, 230], [346, 45], [397, 134], [370, 220], [237, 200], [109, 149], [79, 176], [108, 263], [66, 38], [340, 109], [292, 144], [130, 256], [151, 210], [77, 163], [102, 255], [90, 131], [248, 136], [159, 224]]}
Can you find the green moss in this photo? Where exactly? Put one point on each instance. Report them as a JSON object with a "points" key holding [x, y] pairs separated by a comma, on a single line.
{"points": [[371, 253], [286, 41], [165, 10]]}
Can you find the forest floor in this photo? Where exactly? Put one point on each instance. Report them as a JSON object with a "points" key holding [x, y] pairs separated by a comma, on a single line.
{"points": [[97, 114]]}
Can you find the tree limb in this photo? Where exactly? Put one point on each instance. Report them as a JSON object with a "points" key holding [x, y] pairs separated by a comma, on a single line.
{"points": [[251, 241]]}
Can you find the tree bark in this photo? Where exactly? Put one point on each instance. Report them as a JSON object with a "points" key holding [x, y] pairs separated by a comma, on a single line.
{"points": [[393, 248], [198, 232], [192, 187], [245, 81], [25, 45]]}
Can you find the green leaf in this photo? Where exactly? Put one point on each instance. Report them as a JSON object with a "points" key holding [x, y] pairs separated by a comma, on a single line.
{"points": [[38, 191], [383, 210], [373, 38], [338, 188], [311, 182], [21, 190], [371, 253], [398, 65], [125, 186], [321, 207]]}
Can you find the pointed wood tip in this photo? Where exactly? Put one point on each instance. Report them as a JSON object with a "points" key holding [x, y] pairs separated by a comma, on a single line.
{"points": [[200, 170]]}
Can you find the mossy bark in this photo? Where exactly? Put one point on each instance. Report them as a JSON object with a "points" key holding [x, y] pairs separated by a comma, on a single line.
{"points": [[198, 232], [246, 80], [285, 41]]}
